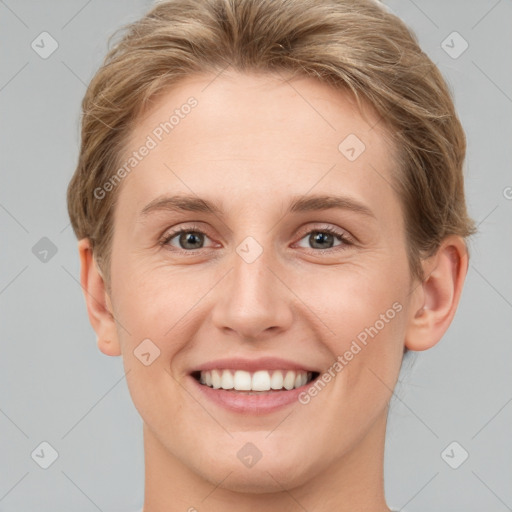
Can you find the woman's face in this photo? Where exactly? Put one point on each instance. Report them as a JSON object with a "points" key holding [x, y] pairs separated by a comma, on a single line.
{"points": [[298, 268]]}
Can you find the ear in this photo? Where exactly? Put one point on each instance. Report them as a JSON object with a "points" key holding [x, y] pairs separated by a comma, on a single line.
{"points": [[99, 306], [437, 297]]}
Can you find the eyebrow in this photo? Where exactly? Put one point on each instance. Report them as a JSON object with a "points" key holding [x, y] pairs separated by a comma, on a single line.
{"points": [[298, 204]]}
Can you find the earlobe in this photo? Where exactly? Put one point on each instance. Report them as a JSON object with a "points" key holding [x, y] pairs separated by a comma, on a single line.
{"points": [[99, 307], [438, 295]]}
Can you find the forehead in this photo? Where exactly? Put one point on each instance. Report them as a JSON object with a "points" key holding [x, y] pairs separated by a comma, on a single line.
{"points": [[253, 138]]}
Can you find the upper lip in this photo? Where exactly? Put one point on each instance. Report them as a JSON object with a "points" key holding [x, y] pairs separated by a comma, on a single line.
{"points": [[252, 365]]}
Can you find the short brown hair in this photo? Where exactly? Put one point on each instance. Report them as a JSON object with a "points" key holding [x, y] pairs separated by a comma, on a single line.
{"points": [[354, 45]]}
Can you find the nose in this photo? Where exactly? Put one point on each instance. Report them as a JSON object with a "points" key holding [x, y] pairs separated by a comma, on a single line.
{"points": [[252, 301]]}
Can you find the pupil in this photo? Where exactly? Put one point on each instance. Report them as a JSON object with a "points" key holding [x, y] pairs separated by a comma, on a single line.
{"points": [[322, 238], [190, 238]]}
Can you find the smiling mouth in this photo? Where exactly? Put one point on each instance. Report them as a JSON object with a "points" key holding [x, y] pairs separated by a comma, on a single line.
{"points": [[261, 381]]}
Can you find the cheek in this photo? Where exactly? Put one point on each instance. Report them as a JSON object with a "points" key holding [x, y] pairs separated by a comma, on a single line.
{"points": [[146, 316], [365, 312], [154, 313], [150, 300], [353, 299]]}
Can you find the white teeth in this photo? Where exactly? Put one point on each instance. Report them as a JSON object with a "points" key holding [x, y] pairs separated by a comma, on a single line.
{"points": [[216, 379], [242, 380], [227, 380], [261, 380], [276, 382], [289, 380]]}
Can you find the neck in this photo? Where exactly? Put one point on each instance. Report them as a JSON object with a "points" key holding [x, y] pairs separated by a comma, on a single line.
{"points": [[353, 483]]}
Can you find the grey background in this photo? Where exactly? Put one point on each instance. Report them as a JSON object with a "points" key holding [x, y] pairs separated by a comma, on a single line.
{"points": [[56, 386]]}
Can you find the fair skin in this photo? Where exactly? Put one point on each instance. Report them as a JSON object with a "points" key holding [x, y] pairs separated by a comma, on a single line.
{"points": [[251, 146]]}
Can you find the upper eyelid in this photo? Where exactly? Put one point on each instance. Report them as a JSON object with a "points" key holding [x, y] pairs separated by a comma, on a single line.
{"points": [[305, 229], [325, 227]]}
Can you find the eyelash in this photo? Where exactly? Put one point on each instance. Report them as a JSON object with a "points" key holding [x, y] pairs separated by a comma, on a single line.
{"points": [[342, 237]]}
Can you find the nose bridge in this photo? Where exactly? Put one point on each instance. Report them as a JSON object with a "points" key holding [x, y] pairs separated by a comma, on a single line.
{"points": [[252, 300], [251, 275]]}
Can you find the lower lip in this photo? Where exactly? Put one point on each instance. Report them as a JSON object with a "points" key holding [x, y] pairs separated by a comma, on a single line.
{"points": [[262, 403]]}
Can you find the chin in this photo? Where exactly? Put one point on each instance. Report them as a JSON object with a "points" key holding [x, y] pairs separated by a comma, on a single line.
{"points": [[269, 474]]}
